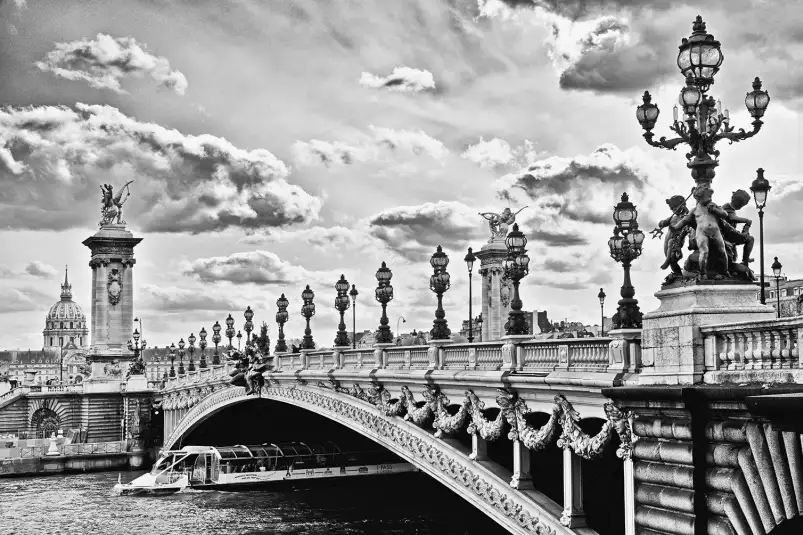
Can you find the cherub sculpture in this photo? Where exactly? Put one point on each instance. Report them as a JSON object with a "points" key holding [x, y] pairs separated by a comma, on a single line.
{"points": [[705, 218], [112, 206], [249, 365], [673, 243], [732, 236], [499, 223]]}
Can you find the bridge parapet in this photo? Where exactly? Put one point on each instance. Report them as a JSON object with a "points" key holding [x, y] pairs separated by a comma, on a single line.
{"points": [[765, 351]]}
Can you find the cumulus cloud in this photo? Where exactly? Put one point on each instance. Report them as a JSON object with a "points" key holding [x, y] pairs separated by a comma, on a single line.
{"points": [[252, 267], [378, 145], [173, 299], [580, 188], [497, 152], [52, 160], [104, 61], [336, 237], [415, 231], [23, 299], [40, 269], [403, 79]]}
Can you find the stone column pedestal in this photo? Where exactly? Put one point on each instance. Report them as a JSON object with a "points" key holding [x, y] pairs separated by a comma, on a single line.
{"points": [[435, 353], [672, 347], [496, 290], [380, 357], [137, 383], [112, 264], [624, 351], [510, 351]]}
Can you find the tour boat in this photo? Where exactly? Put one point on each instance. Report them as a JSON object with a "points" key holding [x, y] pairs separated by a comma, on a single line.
{"points": [[235, 467]]}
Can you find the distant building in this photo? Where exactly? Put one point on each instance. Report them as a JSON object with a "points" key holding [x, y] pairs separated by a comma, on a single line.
{"points": [[64, 345], [476, 328], [791, 295]]}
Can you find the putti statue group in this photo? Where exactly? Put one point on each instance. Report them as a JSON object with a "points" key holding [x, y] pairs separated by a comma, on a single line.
{"points": [[248, 368], [713, 237]]}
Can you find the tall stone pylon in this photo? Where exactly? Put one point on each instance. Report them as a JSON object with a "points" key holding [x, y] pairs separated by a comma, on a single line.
{"points": [[112, 262]]}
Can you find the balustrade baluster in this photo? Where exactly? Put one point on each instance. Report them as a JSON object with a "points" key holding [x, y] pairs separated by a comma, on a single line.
{"points": [[722, 353], [794, 361], [749, 360], [775, 350]]}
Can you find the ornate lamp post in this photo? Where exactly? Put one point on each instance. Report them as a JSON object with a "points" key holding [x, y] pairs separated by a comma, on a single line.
{"points": [[342, 304], [281, 318], [230, 330], [470, 259], [202, 345], [353, 293], [699, 59], [191, 349], [439, 283], [384, 294], [216, 341], [181, 357], [625, 246], [516, 268], [760, 187], [307, 310], [138, 366], [601, 295], [249, 325], [239, 339], [172, 350], [776, 272]]}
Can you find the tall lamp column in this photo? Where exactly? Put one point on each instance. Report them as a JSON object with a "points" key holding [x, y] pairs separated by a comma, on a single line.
{"points": [[230, 330], [516, 268], [191, 339], [625, 246], [353, 293], [384, 294], [172, 350], [601, 296], [202, 345], [249, 325], [776, 272], [307, 310], [216, 340], [439, 283], [470, 259], [342, 304], [281, 318], [760, 187], [181, 357]]}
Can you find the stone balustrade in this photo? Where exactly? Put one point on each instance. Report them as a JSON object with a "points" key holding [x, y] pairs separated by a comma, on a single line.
{"points": [[521, 355], [748, 348]]}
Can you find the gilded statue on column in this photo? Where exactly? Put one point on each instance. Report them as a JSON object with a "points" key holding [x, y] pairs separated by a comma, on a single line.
{"points": [[499, 223], [111, 206]]}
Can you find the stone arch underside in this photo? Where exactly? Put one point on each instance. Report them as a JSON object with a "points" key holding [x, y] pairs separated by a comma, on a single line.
{"points": [[514, 510], [45, 422]]}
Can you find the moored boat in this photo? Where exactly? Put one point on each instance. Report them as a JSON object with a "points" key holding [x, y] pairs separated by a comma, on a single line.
{"points": [[235, 467]]}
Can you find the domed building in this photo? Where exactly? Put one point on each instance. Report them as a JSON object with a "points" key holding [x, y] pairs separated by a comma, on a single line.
{"points": [[63, 353], [65, 322]]}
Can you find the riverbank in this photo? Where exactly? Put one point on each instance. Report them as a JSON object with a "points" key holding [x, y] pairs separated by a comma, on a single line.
{"points": [[77, 463]]}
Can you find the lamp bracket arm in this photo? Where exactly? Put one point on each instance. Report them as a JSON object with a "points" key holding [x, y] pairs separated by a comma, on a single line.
{"points": [[741, 135], [663, 143]]}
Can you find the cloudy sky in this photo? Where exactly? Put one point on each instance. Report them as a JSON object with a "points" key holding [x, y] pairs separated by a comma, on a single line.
{"points": [[279, 144]]}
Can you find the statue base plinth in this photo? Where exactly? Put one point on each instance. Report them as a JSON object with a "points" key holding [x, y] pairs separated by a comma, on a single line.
{"points": [[102, 385], [137, 383], [672, 346]]}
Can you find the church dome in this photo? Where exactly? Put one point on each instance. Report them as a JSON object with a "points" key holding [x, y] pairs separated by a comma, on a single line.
{"points": [[65, 321], [66, 309]]}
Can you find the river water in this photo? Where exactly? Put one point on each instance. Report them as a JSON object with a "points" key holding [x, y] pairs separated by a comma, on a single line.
{"points": [[84, 504]]}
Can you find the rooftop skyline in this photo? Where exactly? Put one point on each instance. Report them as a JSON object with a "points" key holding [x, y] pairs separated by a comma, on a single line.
{"points": [[274, 146]]}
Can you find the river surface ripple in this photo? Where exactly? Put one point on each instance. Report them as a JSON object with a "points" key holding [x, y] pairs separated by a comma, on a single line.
{"points": [[84, 504]]}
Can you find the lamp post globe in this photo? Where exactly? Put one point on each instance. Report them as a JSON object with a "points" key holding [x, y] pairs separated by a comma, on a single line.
{"points": [[469, 260]]}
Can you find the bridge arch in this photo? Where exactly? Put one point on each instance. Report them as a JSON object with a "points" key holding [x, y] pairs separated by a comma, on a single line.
{"points": [[488, 492]]}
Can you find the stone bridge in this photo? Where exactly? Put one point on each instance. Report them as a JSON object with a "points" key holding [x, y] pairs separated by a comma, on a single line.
{"points": [[722, 455], [417, 400]]}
